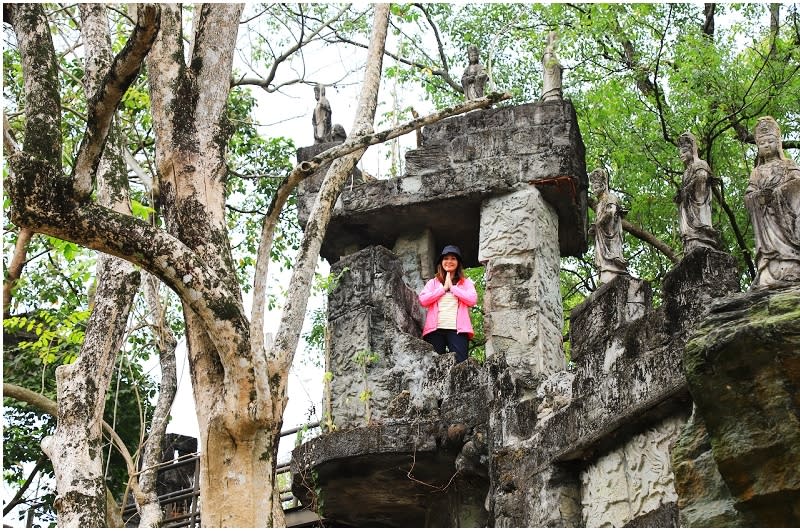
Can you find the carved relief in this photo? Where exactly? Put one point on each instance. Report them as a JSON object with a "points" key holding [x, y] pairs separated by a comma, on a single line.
{"points": [[631, 481], [517, 222]]}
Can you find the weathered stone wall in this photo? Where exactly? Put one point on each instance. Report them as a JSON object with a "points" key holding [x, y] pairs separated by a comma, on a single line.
{"points": [[628, 391], [372, 309], [633, 480]]}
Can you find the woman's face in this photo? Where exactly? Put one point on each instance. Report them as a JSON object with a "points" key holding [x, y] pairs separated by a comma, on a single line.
{"points": [[450, 263], [767, 146]]}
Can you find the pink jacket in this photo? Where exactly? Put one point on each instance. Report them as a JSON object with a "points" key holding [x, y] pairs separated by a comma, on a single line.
{"points": [[464, 291]]}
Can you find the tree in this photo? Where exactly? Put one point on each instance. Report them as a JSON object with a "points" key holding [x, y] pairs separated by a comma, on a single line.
{"points": [[239, 380]]}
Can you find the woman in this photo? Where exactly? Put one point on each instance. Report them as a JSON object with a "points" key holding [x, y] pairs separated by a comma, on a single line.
{"points": [[447, 298]]}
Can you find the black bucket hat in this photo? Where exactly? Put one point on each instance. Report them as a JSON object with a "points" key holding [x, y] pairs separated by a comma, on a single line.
{"points": [[451, 249]]}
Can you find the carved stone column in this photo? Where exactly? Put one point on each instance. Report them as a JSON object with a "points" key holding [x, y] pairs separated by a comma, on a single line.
{"points": [[523, 320], [417, 252]]}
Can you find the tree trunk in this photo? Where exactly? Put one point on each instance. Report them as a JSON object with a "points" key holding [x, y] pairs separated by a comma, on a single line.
{"points": [[75, 448], [150, 513], [229, 379]]}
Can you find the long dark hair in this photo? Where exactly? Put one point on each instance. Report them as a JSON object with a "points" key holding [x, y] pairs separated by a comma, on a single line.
{"points": [[458, 274]]}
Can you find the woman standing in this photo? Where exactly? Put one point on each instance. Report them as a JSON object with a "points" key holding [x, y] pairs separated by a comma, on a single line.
{"points": [[448, 297]]}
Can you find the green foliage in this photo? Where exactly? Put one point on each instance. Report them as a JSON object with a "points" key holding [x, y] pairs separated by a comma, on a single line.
{"points": [[477, 347], [260, 165], [323, 284]]}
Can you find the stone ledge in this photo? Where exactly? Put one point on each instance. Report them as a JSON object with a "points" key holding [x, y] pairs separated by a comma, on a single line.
{"points": [[398, 474]]}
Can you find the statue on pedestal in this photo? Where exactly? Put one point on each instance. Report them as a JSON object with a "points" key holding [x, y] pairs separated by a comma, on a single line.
{"points": [[773, 200], [607, 229], [321, 119], [694, 198], [474, 78], [551, 89]]}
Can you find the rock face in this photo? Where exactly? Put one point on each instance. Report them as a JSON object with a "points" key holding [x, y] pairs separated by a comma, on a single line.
{"points": [[743, 369], [371, 310]]}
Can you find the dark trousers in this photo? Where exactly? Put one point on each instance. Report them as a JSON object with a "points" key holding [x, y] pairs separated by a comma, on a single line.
{"points": [[455, 342]]}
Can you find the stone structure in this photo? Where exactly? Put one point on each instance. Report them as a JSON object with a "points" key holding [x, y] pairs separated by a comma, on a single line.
{"points": [[504, 166], [773, 199], [694, 198], [551, 76], [474, 78], [522, 441], [463, 161], [607, 229], [737, 463], [321, 119]]}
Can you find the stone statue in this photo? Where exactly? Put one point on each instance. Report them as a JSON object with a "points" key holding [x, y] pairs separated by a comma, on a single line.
{"points": [[551, 89], [607, 229], [773, 200], [338, 134], [321, 120], [474, 79], [694, 198]]}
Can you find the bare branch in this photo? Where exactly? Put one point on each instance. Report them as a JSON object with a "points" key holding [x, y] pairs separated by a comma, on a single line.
{"points": [[103, 104], [720, 197], [435, 71], [14, 270], [266, 82], [439, 44], [656, 90], [17, 499]]}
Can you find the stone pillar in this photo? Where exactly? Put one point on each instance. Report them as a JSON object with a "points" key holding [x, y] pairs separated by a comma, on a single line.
{"points": [[372, 309], [417, 253], [524, 317], [522, 322]]}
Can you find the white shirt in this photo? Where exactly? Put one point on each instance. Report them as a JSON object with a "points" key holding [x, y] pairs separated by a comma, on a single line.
{"points": [[448, 306]]}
